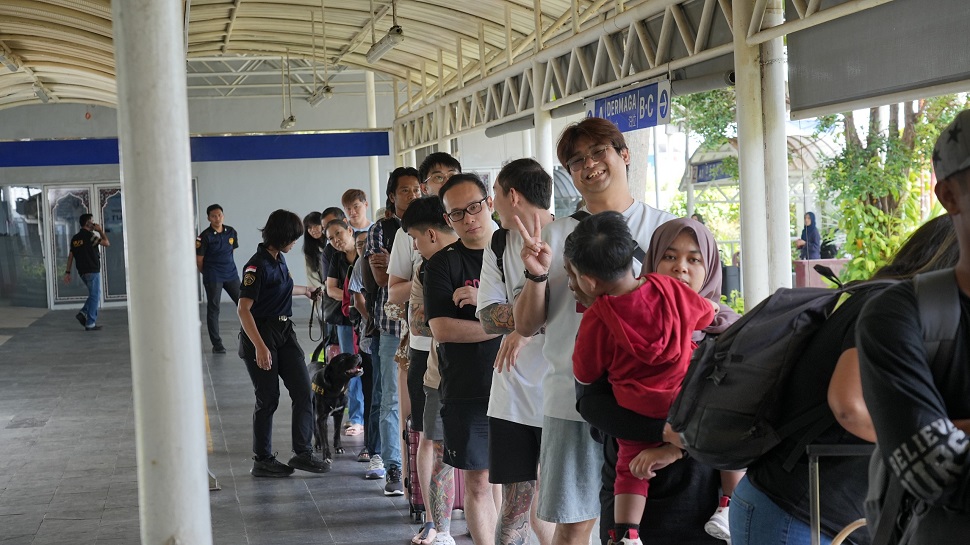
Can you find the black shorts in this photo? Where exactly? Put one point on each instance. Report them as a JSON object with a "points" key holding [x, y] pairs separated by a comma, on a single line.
{"points": [[416, 370], [513, 451], [466, 435]]}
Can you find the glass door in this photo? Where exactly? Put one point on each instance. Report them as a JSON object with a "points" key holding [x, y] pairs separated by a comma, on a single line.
{"points": [[66, 204]]}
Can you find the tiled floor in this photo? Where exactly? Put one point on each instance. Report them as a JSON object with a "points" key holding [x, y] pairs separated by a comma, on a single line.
{"points": [[67, 448]]}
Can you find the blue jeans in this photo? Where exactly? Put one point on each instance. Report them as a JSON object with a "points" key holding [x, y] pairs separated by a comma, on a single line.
{"points": [[390, 419], [756, 520], [355, 394], [90, 308], [372, 439]]}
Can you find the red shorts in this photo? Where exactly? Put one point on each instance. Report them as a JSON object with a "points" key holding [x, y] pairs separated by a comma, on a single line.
{"points": [[625, 482]]}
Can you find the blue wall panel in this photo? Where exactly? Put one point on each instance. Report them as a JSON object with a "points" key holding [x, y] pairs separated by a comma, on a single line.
{"points": [[41, 153]]}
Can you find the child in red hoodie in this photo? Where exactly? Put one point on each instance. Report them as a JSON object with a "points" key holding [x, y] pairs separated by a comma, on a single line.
{"points": [[637, 333]]}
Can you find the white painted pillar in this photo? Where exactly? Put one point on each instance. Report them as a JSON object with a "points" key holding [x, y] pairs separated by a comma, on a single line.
{"points": [[166, 349], [545, 147], [776, 154], [751, 145], [527, 143], [376, 197], [444, 143], [412, 159]]}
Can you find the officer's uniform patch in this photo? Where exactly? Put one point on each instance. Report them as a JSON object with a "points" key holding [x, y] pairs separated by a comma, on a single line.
{"points": [[248, 279]]}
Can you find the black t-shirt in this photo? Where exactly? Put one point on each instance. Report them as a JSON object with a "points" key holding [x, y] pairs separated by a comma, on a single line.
{"points": [[339, 269], [843, 480], [912, 406], [267, 281], [466, 368], [85, 248]]}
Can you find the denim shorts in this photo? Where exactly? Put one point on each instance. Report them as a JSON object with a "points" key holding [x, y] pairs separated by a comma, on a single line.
{"points": [[573, 460]]}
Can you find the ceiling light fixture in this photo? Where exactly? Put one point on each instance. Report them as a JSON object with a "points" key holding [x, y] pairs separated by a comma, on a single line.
{"points": [[7, 60], [394, 36], [320, 93], [41, 94]]}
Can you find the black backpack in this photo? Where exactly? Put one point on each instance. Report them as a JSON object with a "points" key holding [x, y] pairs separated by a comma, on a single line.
{"points": [[729, 411], [499, 238]]}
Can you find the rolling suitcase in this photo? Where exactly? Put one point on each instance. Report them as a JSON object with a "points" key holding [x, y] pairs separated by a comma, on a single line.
{"points": [[415, 499]]}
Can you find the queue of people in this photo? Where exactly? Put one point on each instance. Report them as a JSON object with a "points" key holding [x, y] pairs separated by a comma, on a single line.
{"points": [[541, 357]]}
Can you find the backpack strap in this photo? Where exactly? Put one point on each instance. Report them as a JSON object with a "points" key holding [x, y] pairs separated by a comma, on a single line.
{"points": [[638, 252], [499, 240], [938, 299]]}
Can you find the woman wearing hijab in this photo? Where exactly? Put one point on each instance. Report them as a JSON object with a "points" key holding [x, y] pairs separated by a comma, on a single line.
{"points": [[684, 494], [810, 243]]}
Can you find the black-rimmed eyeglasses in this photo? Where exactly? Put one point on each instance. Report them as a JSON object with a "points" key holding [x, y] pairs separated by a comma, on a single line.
{"points": [[472, 209]]}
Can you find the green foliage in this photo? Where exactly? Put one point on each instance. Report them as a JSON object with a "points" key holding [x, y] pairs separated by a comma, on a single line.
{"points": [[710, 115], [721, 218], [735, 301], [877, 187]]}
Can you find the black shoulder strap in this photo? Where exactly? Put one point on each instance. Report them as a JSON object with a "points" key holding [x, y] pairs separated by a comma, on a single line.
{"points": [[389, 227], [938, 297], [499, 239], [638, 252]]}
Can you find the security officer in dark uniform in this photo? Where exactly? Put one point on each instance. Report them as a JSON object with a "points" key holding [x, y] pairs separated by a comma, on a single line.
{"points": [[213, 256], [268, 345]]}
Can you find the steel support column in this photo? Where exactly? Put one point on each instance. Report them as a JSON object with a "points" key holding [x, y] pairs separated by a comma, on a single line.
{"points": [[776, 153], [751, 150], [376, 198], [166, 351]]}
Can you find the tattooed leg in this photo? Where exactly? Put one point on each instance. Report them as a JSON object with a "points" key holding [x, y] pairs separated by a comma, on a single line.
{"points": [[441, 496], [513, 527]]}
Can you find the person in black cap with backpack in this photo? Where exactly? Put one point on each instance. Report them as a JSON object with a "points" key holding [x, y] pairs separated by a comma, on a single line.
{"points": [[914, 345], [268, 345]]}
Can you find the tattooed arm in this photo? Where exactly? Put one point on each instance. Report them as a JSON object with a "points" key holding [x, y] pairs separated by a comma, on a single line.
{"points": [[497, 318]]}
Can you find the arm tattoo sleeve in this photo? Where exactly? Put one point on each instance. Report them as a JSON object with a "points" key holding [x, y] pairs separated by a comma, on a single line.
{"points": [[497, 319]]}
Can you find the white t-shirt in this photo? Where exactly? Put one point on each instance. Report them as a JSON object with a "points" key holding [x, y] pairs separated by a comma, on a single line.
{"points": [[516, 396], [562, 321], [402, 263]]}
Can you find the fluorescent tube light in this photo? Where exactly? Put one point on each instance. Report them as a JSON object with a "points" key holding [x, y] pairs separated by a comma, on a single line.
{"points": [[395, 35], [320, 94]]}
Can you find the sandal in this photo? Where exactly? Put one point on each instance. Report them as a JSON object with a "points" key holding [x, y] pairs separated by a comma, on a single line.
{"points": [[426, 536], [354, 429]]}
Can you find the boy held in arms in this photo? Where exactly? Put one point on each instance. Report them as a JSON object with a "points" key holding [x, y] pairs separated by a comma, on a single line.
{"points": [[638, 333]]}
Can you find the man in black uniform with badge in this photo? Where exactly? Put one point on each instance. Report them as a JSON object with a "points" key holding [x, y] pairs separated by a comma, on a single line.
{"points": [[467, 352], [86, 257], [269, 346], [213, 256]]}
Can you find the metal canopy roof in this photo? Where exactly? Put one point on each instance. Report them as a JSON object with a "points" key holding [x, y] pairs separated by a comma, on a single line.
{"points": [[473, 57]]}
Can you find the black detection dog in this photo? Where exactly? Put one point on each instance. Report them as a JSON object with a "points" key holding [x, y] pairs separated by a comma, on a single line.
{"points": [[329, 382]]}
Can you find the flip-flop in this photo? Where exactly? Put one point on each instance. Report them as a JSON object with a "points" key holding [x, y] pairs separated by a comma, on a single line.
{"points": [[426, 536], [354, 429]]}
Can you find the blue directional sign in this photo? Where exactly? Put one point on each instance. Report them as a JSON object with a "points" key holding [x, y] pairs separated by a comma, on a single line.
{"points": [[633, 109]]}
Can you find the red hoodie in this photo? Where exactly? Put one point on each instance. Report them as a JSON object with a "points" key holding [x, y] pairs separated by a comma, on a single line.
{"points": [[642, 342]]}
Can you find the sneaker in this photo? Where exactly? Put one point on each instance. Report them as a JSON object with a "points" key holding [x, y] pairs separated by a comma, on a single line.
{"points": [[363, 456], [307, 461], [376, 468], [93, 328], [354, 429], [82, 318], [444, 539], [717, 526], [632, 537], [270, 467], [394, 486], [219, 349]]}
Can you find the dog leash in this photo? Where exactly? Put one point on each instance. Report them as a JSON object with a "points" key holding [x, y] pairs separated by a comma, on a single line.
{"points": [[313, 314]]}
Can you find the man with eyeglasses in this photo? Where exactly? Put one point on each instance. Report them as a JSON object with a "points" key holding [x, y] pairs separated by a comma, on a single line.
{"points": [[466, 352], [434, 171], [597, 157]]}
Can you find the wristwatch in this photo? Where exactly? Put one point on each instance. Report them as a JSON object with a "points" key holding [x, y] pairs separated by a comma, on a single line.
{"points": [[536, 277]]}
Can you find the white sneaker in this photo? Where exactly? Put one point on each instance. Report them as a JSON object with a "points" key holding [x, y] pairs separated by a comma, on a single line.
{"points": [[717, 526], [631, 537], [375, 470], [444, 539]]}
